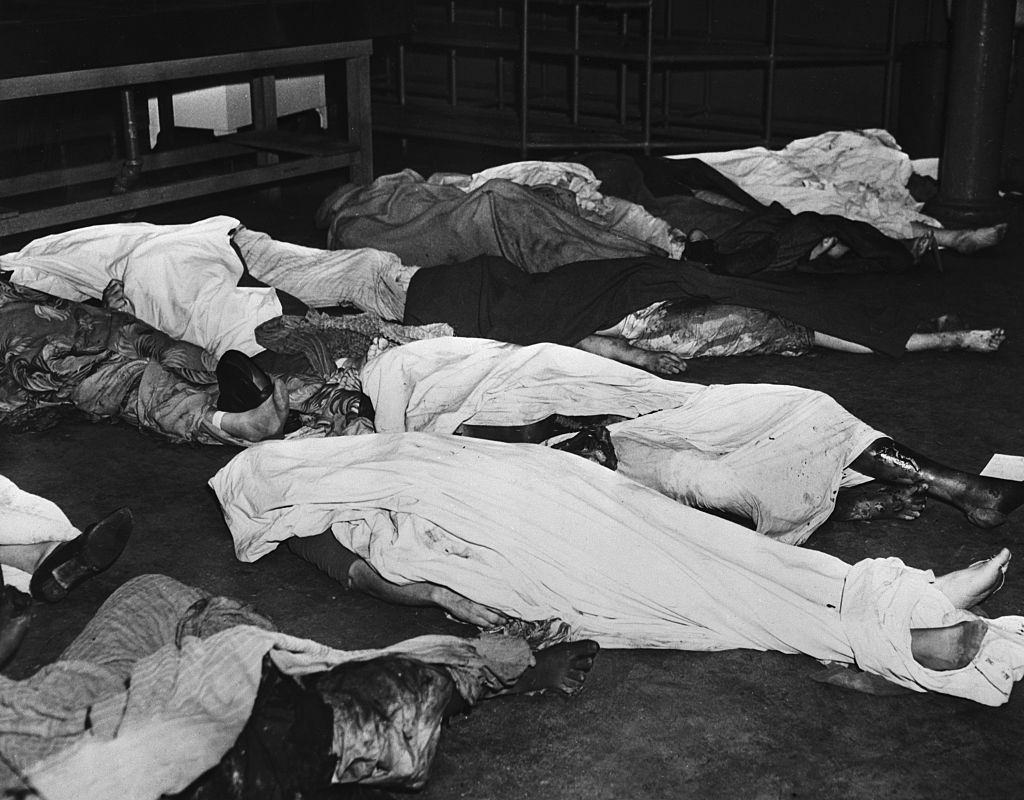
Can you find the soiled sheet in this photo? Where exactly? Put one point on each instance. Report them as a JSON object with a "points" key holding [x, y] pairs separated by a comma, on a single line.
{"points": [[540, 534], [774, 454]]}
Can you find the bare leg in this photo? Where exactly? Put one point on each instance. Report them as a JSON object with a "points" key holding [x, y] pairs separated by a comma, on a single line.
{"points": [[976, 341], [985, 501], [25, 557], [967, 240], [614, 347], [954, 647], [947, 648]]}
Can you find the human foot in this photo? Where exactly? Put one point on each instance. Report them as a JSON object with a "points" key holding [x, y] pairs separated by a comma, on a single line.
{"points": [[969, 586], [970, 240], [987, 501], [872, 501], [979, 341], [948, 648], [561, 667], [660, 362], [263, 422]]}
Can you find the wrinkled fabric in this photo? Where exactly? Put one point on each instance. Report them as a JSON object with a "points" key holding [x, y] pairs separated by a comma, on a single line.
{"points": [[369, 279], [181, 279], [776, 455], [611, 212], [884, 599], [161, 681], [491, 298], [324, 339], [27, 518], [614, 560], [105, 363], [430, 224], [695, 329], [58, 353], [751, 237], [860, 175], [538, 534]]}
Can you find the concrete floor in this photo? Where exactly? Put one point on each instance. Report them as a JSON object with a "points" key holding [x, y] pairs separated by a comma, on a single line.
{"points": [[651, 724]]}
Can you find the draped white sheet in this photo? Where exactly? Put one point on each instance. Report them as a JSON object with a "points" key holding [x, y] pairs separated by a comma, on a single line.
{"points": [[860, 175], [774, 454], [541, 534], [181, 279]]}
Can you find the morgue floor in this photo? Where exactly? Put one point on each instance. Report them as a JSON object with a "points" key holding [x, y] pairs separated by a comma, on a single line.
{"points": [[650, 724]]}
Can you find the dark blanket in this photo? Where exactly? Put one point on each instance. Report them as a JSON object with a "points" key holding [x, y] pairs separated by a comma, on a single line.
{"points": [[492, 298], [766, 238]]}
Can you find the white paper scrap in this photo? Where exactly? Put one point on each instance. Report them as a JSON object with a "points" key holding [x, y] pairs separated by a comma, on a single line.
{"points": [[1005, 466]]}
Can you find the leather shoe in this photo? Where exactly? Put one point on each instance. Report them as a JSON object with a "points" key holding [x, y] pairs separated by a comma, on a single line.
{"points": [[14, 618], [243, 385], [88, 554]]}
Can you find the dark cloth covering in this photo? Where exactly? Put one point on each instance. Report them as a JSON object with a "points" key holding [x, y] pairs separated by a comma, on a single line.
{"points": [[325, 553], [492, 298], [674, 189], [282, 753]]}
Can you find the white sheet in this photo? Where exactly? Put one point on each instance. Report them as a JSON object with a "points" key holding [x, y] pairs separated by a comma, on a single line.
{"points": [[856, 174], [541, 534], [27, 518], [774, 454], [181, 279]]}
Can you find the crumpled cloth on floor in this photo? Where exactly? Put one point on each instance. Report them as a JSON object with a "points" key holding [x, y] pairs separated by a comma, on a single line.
{"points": [[324, 339], [428, 224], [696, 329], [181, 279], [540, 534], [611, 212], [860, 175], [160, 683], [774, 454], [884, 599], [27, 518]]}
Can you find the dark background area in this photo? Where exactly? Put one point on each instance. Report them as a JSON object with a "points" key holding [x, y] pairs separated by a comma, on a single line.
{"points": [[651, 724]]}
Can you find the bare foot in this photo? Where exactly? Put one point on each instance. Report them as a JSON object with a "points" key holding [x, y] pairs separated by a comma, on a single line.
{"points": [[969, 586], [879, 501], [970, 240], [981, 341], [987, 501], [948, 648], [561, 667], [660, 362], [263, 422]]}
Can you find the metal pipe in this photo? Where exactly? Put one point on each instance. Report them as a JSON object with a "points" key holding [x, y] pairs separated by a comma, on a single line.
{"points": [[976, 95]]}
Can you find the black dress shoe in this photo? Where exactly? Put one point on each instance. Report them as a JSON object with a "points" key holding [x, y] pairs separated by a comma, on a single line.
{"points": [[243, 385], [86, 555], [14, 618]]}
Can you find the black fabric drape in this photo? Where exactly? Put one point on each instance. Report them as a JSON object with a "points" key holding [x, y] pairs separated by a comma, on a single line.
{"points": [[492, 298], [668, 188]]}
